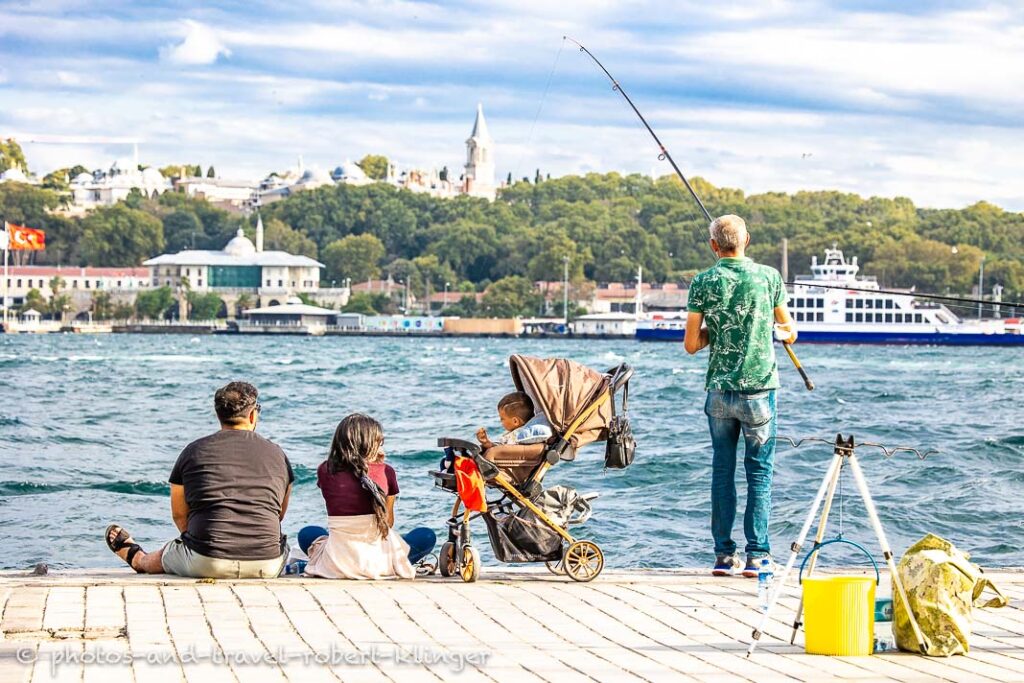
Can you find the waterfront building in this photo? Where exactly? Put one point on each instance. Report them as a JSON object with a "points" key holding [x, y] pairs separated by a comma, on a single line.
{"points": [[605, 324], [79, 284], [239, 271]]}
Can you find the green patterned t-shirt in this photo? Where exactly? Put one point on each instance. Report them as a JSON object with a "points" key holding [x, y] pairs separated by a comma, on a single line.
{"points": [[738, 298]]}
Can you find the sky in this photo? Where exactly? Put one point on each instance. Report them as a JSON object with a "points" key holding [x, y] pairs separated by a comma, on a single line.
{"points": [[910, 98]]}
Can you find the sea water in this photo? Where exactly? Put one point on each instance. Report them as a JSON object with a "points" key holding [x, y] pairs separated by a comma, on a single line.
{"points": [[90, 427]]}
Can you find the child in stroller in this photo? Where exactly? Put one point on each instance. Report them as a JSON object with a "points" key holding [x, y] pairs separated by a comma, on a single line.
{"points": [[528, 523]]}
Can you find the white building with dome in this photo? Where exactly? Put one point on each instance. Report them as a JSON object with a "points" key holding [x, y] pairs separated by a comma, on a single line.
{"points": [[267, 278], [108, 187]]}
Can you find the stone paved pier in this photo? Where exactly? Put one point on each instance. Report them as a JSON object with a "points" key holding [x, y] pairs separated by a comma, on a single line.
{"points": [[523, 625]]}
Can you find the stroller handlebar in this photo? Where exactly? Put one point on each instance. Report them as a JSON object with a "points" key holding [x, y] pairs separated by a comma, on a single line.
{"points": [[619, 376], [459, 445]]}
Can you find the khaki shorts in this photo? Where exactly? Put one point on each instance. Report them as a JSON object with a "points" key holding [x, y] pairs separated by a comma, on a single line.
{"points": [[180, 560]]}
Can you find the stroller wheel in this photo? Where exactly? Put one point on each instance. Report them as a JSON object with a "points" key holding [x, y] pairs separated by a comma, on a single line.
{"points": [[446, 560], [555, 567], [470, 569], [583, 561]]}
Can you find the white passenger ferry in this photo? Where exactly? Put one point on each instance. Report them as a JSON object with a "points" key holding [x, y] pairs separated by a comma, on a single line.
{"points": [[835, 305]]}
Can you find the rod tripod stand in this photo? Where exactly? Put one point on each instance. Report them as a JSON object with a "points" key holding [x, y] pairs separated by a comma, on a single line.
{"points": [[843, 455]]}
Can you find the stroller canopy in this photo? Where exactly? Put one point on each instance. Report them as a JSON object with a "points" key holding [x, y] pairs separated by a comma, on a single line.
{"points": [[563, 389]]}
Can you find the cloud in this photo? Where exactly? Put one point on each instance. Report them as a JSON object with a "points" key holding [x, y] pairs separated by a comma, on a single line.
{"points": [[913, 99], [199, 46]]}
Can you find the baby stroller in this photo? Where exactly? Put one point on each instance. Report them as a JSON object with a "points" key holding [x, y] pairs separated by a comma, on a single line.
{"points": [[528, 523]]}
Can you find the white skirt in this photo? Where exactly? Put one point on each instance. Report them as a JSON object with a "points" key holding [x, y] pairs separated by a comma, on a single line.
{"points": [[354, 550]]}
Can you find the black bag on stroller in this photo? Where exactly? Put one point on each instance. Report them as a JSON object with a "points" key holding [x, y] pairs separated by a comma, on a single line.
{"points": [[519, 535]]}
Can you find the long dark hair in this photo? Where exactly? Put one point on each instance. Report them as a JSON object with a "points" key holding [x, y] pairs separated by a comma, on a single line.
{"points": [[357, 441]]}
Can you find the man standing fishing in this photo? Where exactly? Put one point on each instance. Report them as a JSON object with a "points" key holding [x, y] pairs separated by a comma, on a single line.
{"points": [[739, 301]]}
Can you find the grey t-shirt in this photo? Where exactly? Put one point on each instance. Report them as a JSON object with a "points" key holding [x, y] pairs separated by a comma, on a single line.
{"points": [[235, 483]]}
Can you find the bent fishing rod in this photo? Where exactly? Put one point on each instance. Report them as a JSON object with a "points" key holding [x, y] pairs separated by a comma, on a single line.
{"points": [[665, 156]]}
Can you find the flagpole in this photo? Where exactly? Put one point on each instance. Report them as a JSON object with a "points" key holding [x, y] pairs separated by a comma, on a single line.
{"points": [[7, 275]]}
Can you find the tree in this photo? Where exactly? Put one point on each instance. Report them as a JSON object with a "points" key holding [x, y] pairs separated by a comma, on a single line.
{"points": [[367, 303], [210, 173], [102, 306], [58, 303], [204, 306], [123, 311], [243, 302], [510, 297], [354, 256], [155, 303], [374, 166], [183, 230], [12, 156], [279, 236], [120, 236], [57, 180], [34, 300]]}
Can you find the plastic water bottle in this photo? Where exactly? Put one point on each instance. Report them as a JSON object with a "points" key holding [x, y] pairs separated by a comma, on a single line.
{"points": [[295, 567], [884, 644], [765, 578]]}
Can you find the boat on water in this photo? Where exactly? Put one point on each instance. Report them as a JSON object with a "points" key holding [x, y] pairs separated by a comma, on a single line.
{"points": [[825, 312]]}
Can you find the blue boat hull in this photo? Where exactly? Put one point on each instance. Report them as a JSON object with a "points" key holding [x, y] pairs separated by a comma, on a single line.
{"points": [[823, 337]]}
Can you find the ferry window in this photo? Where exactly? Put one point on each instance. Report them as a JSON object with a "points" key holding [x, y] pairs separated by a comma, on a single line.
{"points": [[888, 303], [860, 317], [821, 316], [870, 303], [799, 317], [821, 303], [799, 302], [849, 317], [888, 317], [849, 303], [860, 303], [899, 317], [918, 318]]}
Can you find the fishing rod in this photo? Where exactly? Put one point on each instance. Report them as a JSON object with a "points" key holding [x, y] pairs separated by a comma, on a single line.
{"points": [[665, 156]]}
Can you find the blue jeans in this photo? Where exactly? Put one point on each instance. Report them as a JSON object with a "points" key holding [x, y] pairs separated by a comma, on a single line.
{"points": [[752, 413], [421, 540]]}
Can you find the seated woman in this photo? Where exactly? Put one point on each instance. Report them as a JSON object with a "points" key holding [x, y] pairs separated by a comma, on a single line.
{"points": [[359, 490]]}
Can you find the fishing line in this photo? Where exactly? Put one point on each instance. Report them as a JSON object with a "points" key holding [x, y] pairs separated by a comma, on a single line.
{"points": [[963, 301], [540, 105], [665, 156]]}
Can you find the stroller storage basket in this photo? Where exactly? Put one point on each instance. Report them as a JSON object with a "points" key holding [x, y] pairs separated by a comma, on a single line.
{"points": [[521, 536]]}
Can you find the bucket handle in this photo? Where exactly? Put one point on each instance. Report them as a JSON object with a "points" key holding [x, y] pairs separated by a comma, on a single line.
{"points": [[858, 546]]}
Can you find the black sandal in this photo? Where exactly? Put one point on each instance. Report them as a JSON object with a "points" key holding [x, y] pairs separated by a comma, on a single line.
{"points": [[121, 541]]}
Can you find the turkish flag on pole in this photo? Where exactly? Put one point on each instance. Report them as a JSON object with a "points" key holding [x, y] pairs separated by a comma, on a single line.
{"points": [[25, 239]]}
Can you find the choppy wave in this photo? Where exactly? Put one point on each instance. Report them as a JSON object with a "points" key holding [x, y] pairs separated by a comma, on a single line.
{"points": [[98, 435]]}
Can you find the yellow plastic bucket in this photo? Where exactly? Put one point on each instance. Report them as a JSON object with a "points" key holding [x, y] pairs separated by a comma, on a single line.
{"points": [[839, 615]]}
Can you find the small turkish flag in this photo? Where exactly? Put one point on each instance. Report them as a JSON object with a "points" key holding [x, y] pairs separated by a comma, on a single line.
{"points": [[25, 239]]}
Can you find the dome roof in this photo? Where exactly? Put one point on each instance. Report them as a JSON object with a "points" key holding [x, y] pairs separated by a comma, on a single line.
{"points": [[350, 171], [240, 245], [315, 176], [293, 300], [153, 176], [82, 178], [14, 174]]}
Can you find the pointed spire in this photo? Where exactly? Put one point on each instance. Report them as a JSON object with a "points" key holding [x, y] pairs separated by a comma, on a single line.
{"points": [[480, 125], [259, 233]]}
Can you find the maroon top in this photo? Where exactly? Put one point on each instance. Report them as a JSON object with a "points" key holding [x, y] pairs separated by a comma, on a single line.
{"points": [[346, 497]]}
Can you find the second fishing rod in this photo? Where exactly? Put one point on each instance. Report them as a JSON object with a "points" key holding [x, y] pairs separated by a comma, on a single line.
{"points": [[664, 155]]}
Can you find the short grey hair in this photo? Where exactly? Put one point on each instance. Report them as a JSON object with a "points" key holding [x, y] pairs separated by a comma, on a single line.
{"points": [[730, 232]]}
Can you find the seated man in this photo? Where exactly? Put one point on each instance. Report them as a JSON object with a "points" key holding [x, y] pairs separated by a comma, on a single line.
{"points": [[229, 493]]}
